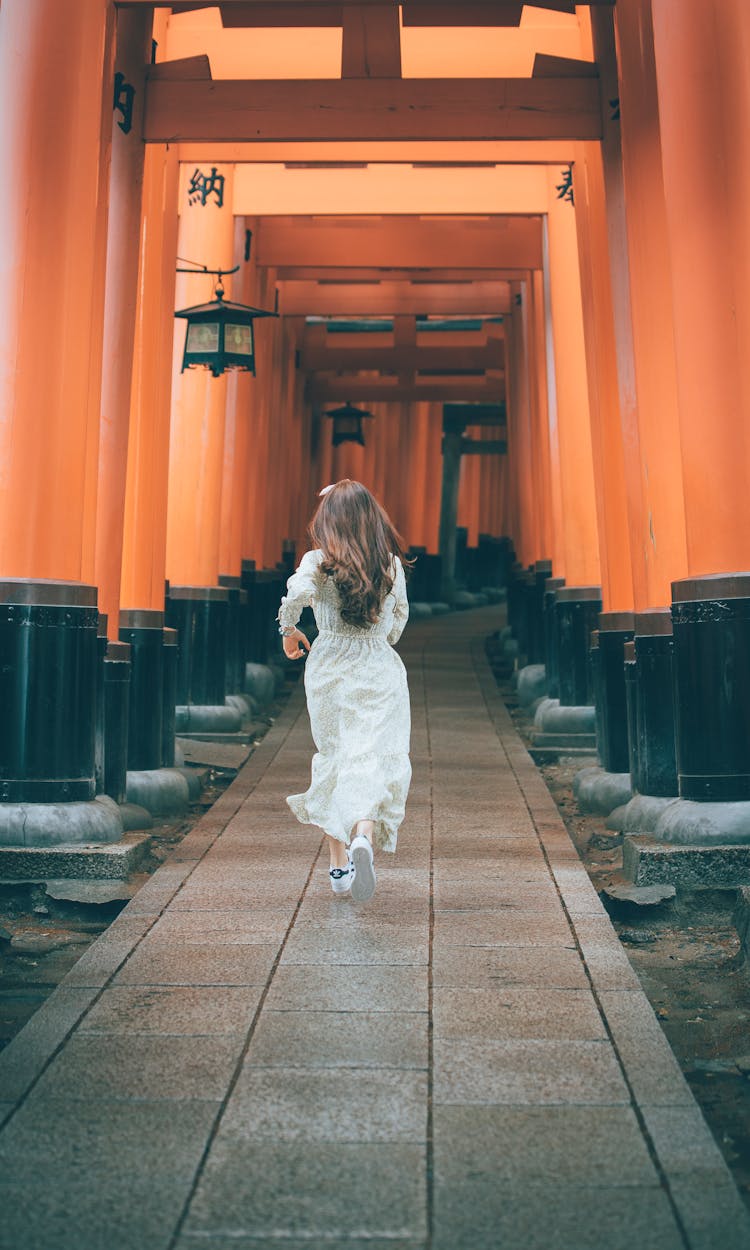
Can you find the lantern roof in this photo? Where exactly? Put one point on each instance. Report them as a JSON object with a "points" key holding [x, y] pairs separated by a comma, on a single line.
{"points": [[218, 308], [348, 410]]}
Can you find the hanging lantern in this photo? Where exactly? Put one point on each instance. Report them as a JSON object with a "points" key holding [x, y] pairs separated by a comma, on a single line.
{"points": [[347, 424], [220, 334]]}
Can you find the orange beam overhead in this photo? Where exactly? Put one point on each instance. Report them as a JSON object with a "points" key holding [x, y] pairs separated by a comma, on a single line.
{"points": [[394, 242], [339, 275], [373, 390], [392, 298], [231, 110], [489, 355], [535, 152]]}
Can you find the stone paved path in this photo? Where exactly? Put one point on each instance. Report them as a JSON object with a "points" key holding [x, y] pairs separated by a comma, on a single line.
{"points": [[244, 1062]]}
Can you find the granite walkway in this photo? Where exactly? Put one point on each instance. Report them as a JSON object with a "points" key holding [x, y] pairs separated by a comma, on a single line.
{"points": [[243, 1061]]}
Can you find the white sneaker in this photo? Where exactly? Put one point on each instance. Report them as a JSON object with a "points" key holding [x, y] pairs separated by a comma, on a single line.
{"points": [[363, 886], [341, 878]]}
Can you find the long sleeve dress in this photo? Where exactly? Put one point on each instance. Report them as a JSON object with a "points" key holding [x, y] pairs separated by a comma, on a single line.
{"points": [[358, 701]]}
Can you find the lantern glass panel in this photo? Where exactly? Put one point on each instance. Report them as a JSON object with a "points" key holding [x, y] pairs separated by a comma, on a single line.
{"points": [[202, 337], [238, 339]]}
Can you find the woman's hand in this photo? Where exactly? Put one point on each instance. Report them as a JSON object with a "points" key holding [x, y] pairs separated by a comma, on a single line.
{"points": [[294, 644]]}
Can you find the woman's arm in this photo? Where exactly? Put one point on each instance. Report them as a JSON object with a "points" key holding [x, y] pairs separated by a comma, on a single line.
{"points": [[300, 592], [401, 608]]}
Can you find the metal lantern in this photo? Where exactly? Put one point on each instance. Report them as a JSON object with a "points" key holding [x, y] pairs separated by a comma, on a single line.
{"points": [[347, 424], [220, 334]]}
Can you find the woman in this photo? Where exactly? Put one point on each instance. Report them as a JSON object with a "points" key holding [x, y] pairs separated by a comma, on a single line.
{"points": [[355, 682]]}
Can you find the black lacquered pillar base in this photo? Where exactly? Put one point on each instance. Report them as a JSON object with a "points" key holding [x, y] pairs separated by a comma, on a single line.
{"points": [[143, 630], [462, 543], [169, 696], [631, 704], [200, 614], [418, 575], [236, 634], [615, 629], [551, 661], [577, 610], [101, 651], [711, 621], [264, 590], [433, 579], [48, 688], [535, 639], [654, 681], [117, 670]]}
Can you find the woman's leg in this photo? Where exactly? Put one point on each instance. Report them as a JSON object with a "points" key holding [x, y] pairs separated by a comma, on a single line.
{"points": [[366, 828], [337, 851]]}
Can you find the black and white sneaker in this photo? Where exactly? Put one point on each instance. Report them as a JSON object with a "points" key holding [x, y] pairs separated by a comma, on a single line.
{"points": [[363, 886], [342, 878]]}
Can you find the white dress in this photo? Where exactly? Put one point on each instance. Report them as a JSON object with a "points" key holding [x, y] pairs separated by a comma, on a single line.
{"points": [[358, 701]]}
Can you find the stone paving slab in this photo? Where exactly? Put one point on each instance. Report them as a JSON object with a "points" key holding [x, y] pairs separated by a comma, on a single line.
{"points": [[243, 1061]]}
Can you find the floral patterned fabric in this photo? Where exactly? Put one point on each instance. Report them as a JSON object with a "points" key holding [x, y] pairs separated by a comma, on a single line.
{"points": [[358, 702]]}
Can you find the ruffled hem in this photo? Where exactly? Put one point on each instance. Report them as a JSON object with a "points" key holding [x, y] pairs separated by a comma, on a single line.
{"points": [[309, 810]]}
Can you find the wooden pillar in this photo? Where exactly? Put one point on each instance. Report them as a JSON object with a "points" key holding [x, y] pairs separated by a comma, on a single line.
{"points": [[703, 120], [133, 49], [234, 499], [641, 300], [452, 440], [145, 523], [55, 132], [601, 364], [579, 535], [196, 450]]}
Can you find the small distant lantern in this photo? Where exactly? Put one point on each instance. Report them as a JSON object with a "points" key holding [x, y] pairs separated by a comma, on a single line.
{"points": [[220, 334], [347, 424]]}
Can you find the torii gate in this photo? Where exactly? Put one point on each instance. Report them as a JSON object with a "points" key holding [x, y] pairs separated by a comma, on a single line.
{"points": [[456, 417]]}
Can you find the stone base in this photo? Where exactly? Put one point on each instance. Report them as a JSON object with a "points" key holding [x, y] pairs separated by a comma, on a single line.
{"points": [[531, 685], [195, 719], [552, 718], [162, 791], [687, 823], [648, 862], [641, 815], [260, 683], [601, 792], [242, 703], [224, 758], [563, 742], [135, 817], [60, 824], [553, 755], [80, 861]]}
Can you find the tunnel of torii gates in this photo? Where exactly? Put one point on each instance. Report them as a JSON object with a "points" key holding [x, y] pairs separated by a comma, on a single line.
{"points": [[515, 235]]}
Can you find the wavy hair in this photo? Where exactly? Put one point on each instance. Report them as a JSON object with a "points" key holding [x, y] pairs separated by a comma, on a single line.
{"points": [[358, 541]]}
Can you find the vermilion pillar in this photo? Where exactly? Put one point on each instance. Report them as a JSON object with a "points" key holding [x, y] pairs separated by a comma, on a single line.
{"points": [[133, 47], [55, 130], [642, 305], [569, 402], [237, 432], [145, 529], [196, 451], [703, 94], [601, 362]]}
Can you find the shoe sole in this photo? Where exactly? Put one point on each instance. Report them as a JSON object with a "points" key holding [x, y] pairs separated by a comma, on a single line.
{"points": [[363, 885]]}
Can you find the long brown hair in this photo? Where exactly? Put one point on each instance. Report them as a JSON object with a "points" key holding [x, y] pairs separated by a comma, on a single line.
{"points": [[358, 541]]}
